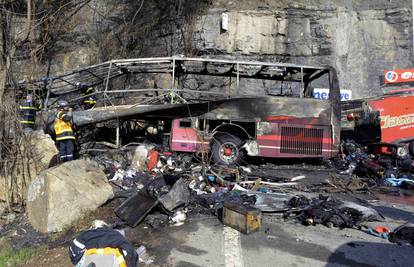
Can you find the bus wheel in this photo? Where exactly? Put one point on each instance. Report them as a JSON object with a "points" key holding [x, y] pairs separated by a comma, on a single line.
{"points": [[226, 150]]}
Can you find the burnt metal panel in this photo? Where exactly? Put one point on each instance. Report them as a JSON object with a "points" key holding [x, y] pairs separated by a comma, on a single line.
{"points": [[241, 109]]}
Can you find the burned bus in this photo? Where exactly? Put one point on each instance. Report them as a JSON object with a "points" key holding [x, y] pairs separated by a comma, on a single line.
{"points": [[226, 108], [285, 122]]}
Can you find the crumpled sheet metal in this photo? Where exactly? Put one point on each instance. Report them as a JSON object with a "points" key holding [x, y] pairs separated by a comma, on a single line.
{"points": [[368, 213], [179, 195], [271, 202]]}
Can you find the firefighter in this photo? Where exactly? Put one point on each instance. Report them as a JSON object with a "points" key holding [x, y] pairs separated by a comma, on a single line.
{"points": [[28, 113], [64, 131], [102, 246], [90, 100]]}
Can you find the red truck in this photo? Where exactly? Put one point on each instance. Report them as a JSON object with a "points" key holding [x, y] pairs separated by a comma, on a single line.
{"points": [[386, 123]]}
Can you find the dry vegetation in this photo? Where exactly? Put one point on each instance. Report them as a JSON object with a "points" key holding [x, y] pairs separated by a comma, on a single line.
{"points": [[29, 31]]}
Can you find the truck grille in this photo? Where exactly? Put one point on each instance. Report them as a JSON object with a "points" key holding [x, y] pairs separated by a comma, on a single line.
{"points": [[297, 140]]}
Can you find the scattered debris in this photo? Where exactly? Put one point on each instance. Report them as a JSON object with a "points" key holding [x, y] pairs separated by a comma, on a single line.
{"points": [[399, 182], [143, 256], [135, 208], [178, 218], [157, 220], [272, 202], [179, 195], [269, 184], [178, 186], [163, 188], [379, 231], [403, 234], [332, 212]]}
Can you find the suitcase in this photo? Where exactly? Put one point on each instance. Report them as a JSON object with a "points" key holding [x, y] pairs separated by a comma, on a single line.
{"points": [[242, 218]]}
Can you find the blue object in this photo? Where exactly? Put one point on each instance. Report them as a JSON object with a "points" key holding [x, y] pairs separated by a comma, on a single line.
{"points": [[263, 190], [397, 181], [211, 178], [375, 233]]}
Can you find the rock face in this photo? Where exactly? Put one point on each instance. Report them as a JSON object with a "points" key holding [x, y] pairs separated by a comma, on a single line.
{"points": [[359, 43], [62, 194], [37, 152]]}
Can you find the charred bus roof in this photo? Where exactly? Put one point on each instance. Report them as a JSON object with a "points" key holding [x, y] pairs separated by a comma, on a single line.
{"points": [[101, 73]]}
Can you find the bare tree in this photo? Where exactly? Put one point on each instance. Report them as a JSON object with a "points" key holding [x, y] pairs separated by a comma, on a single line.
{"points": [[11, 38], [29, 29]]}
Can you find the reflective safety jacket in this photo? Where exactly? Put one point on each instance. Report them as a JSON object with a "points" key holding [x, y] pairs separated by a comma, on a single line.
{"points": [[115, 252], [90, 100], [63, 126], [27, 113], [103, 241]]}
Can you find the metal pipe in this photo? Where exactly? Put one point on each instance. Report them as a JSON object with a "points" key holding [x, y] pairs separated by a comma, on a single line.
{"points": [[173, 75], [301, 83], [107, 78], [118, 141], [238, 78], [107, 82], [163, 90], [49, 86]]}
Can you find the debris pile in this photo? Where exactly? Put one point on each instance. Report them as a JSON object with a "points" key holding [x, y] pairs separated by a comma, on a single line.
{"points": [[168, 188], [161, 189], [378, 165], [403, 234], [332, 212]]}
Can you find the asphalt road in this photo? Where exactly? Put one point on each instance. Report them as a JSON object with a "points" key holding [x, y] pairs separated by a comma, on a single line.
{"points": [[206, 242]]}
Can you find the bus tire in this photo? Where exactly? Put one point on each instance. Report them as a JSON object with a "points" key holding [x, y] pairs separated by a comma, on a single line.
{"points": [[226, 150]]}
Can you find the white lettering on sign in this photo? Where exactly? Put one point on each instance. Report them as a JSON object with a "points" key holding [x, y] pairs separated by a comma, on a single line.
{"points": [[406, 75], [390, 121], [323, 94]]}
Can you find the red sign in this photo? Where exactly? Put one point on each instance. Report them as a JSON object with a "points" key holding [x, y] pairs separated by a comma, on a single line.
{"points": [[399, 76]]}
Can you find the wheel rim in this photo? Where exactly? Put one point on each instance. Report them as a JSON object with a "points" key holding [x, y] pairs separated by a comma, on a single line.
{"points": [[228, 152]]}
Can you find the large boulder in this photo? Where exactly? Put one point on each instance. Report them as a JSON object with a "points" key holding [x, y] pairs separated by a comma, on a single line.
{"points": [[40, 151], [37, 152], [62, 194]]}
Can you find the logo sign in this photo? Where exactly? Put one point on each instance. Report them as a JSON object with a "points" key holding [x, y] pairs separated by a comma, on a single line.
{"points": [[399, 76], [323, 94]]}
